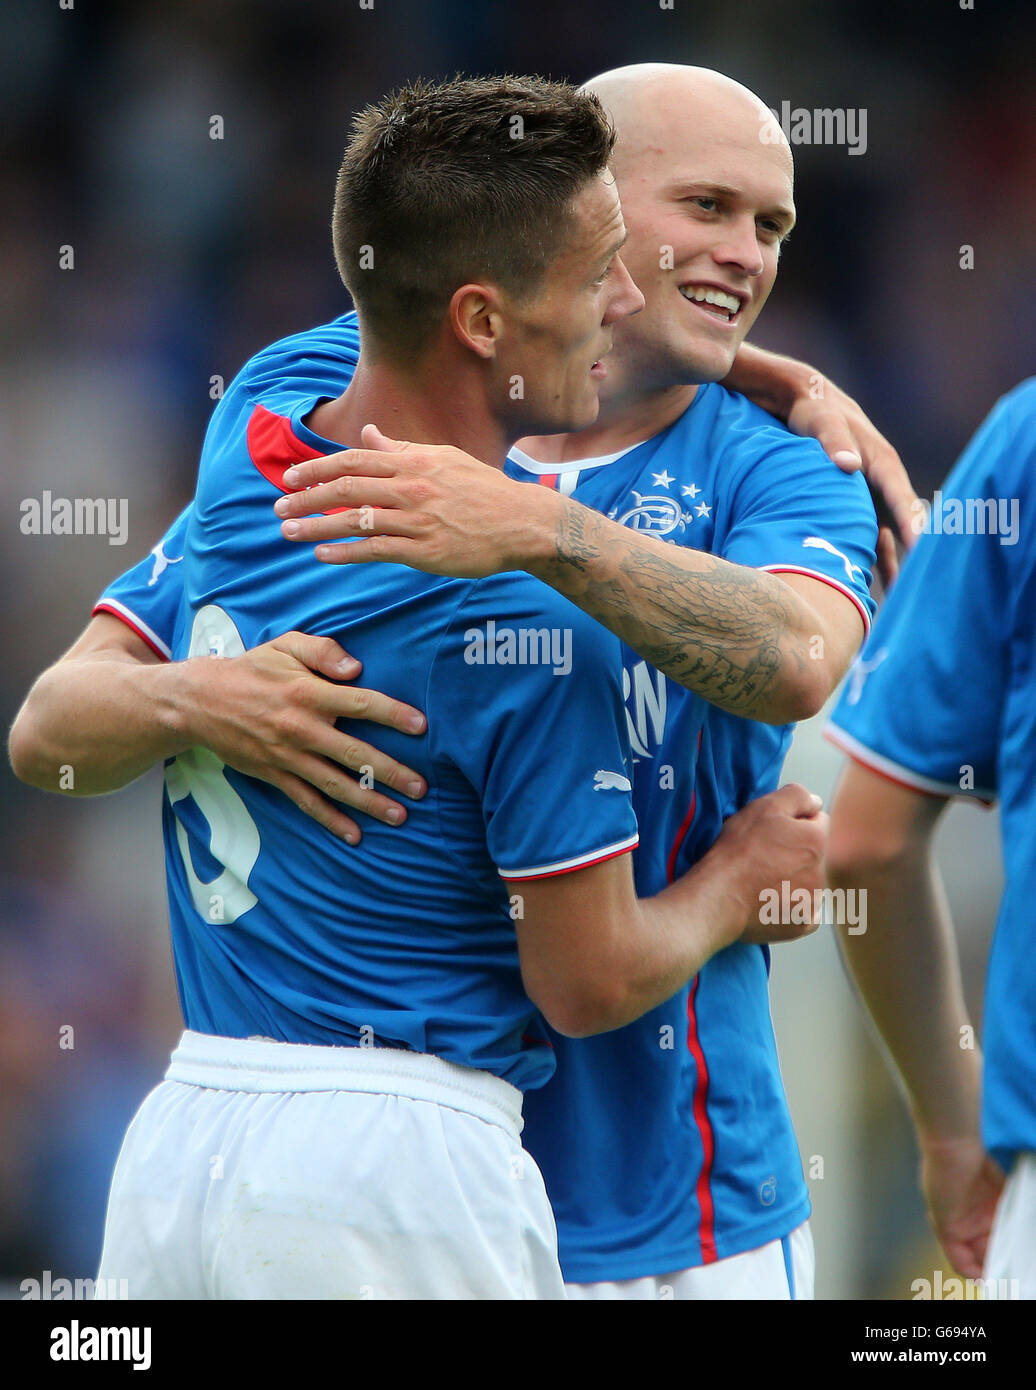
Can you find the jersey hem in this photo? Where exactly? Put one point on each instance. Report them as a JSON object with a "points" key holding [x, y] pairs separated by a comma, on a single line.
{"points": [[826, 579], [688, 1256], [896, 772], [568, 866]]}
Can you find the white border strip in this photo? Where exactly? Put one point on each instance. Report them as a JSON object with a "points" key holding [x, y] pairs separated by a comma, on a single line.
{"points": [[579, 862], [878, 763], [105, 604], [827, 579]]}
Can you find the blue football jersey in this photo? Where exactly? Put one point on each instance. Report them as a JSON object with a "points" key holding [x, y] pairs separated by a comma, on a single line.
{"points": [[408, 940], [943, 700], [668, 1143]]}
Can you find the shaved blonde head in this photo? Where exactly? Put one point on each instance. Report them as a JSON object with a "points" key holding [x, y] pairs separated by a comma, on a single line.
{"points": [[654, 106], [706, 177]]}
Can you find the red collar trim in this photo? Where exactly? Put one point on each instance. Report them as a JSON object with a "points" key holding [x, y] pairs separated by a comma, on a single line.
{"points": [[273, 447]]}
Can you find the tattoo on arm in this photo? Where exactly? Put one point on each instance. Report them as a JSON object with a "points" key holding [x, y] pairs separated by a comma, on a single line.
{"points": [[720, 629]]}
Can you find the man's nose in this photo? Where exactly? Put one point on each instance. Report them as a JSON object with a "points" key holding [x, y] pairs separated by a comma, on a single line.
{"points": [[627, 298], [739, 245]]}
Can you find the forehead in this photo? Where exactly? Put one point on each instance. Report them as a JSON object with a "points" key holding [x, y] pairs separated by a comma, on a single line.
{"points": [[597, 215], [724, 145]]}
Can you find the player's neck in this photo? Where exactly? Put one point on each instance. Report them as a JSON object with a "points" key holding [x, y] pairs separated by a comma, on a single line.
{"points": [[420, 407], [620, 424]]}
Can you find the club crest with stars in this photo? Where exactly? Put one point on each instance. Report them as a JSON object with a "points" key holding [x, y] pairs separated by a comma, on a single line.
{"points": [[661, 514]]}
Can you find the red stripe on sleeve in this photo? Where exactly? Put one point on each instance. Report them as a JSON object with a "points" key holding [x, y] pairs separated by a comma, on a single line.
{"points": [[572, 868], [106, 608]]}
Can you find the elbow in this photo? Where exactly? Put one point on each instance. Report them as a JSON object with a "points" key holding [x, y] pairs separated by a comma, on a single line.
{"points": [[879, 831], [31, 760], [812, 690], [21, 751], [795, 697], [570, 1026], [858, 851], [806, 699], [585, 1009]]}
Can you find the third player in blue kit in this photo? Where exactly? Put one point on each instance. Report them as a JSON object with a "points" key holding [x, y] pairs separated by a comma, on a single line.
{"points": [[941, 704]]}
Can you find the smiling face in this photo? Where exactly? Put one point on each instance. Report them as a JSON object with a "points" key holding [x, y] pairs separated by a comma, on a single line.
{"points": [[706, 184], [557, 342]]}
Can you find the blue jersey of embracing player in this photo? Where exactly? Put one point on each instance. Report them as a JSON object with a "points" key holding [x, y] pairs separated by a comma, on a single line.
{"points": [[943, 699], [279, 928], [668, 1143]]}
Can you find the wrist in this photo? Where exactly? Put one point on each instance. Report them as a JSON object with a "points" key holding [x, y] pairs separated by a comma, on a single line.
{"points": [[715, 885], [541, 531], [181, 697], [946, 1132], [954, 1120]]}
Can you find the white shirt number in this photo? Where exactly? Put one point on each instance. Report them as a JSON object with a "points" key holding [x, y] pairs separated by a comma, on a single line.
{"points": [[198, 773]]}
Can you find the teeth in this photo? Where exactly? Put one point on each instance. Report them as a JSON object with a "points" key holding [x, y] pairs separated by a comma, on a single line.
{"points": [[701, 294]]}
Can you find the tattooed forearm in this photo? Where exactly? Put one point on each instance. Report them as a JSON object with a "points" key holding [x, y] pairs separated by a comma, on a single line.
{"points": [[734, 635]]}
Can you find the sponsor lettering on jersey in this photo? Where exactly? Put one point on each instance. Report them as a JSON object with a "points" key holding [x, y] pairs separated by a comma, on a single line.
{"points": [[644, 690]]}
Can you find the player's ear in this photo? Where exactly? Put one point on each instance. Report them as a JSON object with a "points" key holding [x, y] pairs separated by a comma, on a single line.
{"points": [[476, 318]]}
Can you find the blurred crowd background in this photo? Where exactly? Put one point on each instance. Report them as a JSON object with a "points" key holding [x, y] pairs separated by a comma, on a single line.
{"points": [[192, 253]]}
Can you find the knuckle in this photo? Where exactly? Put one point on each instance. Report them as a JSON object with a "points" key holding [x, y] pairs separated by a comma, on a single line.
{"points": [[351, 753], [360, 701], [419, 490], [304, 696], [393, 777]]}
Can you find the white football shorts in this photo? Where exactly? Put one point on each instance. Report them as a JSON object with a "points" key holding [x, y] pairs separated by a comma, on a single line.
{"points": [[1011, 1254], [781, 1269], [262, 1169]]}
